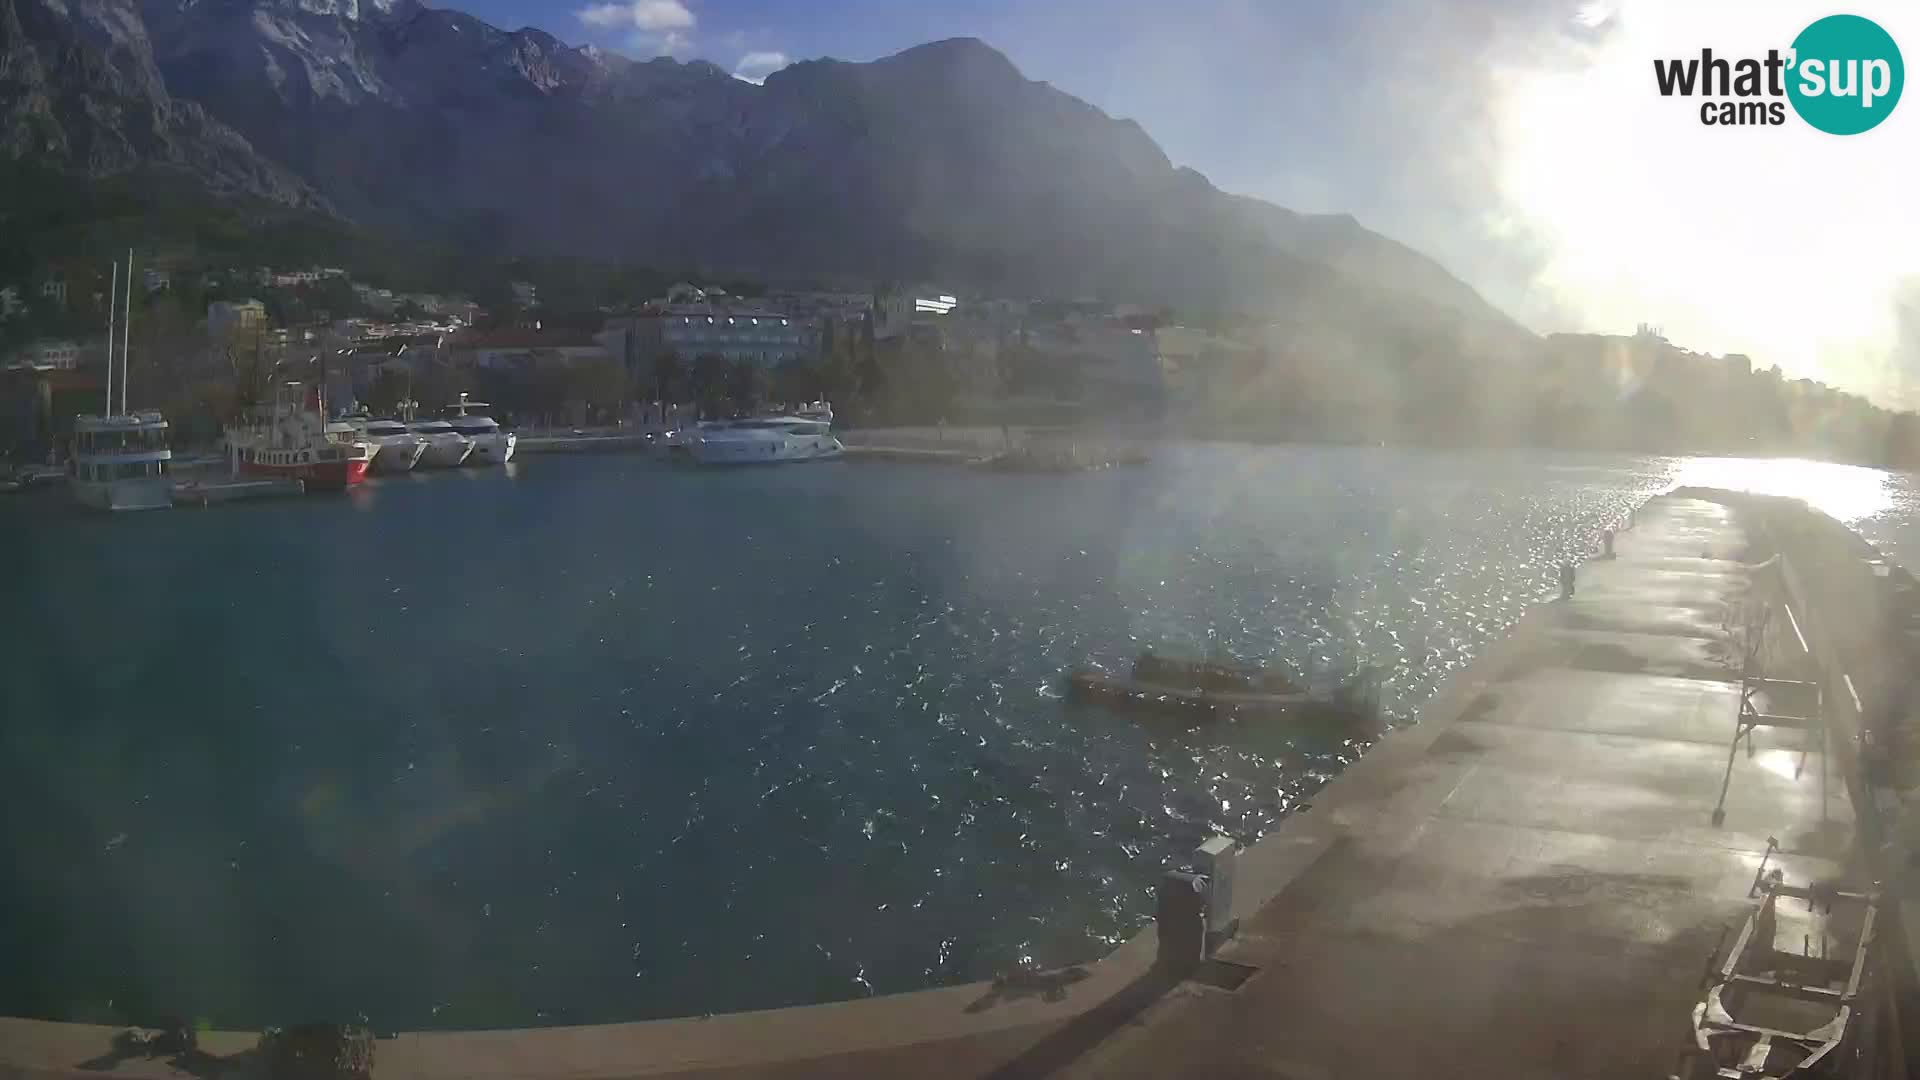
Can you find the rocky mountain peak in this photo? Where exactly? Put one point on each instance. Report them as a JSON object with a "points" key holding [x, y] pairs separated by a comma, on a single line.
{"points": [[956, 57], [350, 10]]}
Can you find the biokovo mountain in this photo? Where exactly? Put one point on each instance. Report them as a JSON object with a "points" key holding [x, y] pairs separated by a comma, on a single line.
{"points": [[80, 90], [941, 163]]}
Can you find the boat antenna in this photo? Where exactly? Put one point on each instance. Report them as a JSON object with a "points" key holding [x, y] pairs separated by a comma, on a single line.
{"points": [[126, 334]]}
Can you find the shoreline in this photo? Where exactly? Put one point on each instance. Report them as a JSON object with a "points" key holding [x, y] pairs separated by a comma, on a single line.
{"points": [[937, 1032], [922, 1024], [943, 1031]]}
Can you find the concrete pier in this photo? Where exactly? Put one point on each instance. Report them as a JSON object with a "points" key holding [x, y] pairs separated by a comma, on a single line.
{"points": [[1528, 883], [223, 489], [594, 442], [912, 455]]}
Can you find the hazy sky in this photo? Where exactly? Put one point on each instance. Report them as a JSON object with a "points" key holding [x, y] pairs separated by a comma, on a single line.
{"points": [[1520, 142]]}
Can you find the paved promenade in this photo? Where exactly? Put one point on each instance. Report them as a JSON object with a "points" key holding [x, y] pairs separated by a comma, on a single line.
{"points": [[1529, 883]]}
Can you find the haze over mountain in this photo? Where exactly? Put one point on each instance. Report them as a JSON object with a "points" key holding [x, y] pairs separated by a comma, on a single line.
{"points": [[939, 163]]}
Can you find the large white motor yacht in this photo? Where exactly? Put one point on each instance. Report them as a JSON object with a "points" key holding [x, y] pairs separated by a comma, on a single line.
{"points": [[765, 440], [492, 445], [446, 448], [395, 449]]}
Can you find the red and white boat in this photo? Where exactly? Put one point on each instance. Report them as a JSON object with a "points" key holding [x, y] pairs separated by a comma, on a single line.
{"points": [[296, 443]]}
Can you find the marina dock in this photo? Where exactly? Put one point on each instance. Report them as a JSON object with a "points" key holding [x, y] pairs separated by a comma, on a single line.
{"points": [[1540, 878], [593, 442], [1022, 450], [215, 489], [913, 455]]}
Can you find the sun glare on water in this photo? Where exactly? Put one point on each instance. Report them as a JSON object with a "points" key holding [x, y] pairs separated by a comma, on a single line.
{"points": [[1779, 241], [1848, 493]]}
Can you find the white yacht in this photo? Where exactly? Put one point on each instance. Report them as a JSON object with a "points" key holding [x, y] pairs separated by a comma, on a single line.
{"points": [[446, 448], [122, 462], [395, 449], [491, 444], [765, 440]]}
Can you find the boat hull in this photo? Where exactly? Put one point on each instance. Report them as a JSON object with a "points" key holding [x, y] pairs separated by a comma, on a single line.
{"points": [[444, 454], [316, 475], [396, 457], [142, 493], [492, 449], [766, 452], [1345, 709]]}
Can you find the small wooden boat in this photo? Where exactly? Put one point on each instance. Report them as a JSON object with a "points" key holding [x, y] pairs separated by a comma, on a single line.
{"points": [[1207, 691], [1211, 676]]}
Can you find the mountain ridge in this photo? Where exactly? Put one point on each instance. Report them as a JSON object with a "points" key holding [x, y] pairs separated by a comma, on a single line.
{"points": [[940, 162], [79, 90]]}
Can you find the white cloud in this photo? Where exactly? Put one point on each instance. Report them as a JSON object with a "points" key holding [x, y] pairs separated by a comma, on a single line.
{"points": [[756, 66], [665, 18], [602, 14]]}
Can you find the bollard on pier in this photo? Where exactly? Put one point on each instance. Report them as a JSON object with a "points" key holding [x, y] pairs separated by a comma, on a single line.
{"points": [[1180, 922]]}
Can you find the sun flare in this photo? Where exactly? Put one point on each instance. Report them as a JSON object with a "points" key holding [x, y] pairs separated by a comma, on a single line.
{"points": [[1781, 242]]}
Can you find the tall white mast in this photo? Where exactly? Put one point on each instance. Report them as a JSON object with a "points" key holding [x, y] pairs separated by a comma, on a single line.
{"points": [[126, 334], [113, 301]]}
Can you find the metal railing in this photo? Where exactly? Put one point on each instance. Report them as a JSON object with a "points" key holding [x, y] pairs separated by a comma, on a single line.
{"points": [[1881, 1041]]}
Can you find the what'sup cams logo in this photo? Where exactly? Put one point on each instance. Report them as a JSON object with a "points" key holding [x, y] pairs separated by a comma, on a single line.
{"points": [[1843, 75]]}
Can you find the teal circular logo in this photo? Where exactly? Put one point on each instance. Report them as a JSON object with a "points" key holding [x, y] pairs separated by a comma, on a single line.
{"points": [[1846, 74]]}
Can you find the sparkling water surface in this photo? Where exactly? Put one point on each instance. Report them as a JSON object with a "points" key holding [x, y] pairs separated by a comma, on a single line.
{"points": [[590, 739]]}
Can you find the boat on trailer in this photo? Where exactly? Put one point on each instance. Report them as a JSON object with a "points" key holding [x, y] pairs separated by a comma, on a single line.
{"points": [[1787, 1009]]}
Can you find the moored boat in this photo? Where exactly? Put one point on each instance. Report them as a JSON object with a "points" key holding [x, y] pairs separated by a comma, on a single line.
{"points": [[395, 449], [445, 449], [122, 462], [1202, 691], [492, 444], [767, 440], [294, 443]]}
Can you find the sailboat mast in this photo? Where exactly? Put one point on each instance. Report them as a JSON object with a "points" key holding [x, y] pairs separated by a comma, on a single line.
{"points": [[126, 334], [113, 307]]}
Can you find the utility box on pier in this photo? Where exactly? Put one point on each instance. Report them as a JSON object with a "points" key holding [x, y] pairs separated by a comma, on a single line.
{"points": [[1216, 860]]}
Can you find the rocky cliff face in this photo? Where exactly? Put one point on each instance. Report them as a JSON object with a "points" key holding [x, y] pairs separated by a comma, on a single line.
{"points": [[79, 90], [941, 162]]}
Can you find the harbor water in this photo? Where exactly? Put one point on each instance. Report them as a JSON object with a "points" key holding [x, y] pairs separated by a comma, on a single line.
{"points": [[589, 739]]}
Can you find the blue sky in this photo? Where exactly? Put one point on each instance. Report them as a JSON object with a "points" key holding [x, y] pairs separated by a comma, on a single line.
{"points": [[1519, 142]]}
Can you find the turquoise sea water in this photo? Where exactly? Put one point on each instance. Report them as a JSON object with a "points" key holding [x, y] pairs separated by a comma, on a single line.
{"points": [[591, 739]]}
